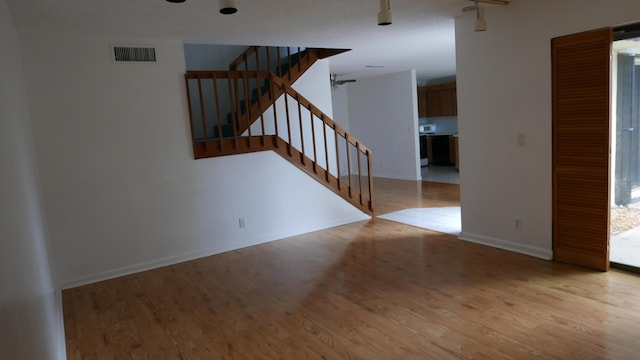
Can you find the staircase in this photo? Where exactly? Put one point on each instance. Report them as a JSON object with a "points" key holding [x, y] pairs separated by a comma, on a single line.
{"points": [[252, 107]]}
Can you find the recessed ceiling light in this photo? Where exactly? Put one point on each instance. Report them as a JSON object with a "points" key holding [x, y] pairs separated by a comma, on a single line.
{"points": [[375, 66], [176, 1], [228, 7]]}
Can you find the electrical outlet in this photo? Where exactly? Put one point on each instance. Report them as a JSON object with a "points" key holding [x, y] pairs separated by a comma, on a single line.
{"points": [[241, 223], [522, 139], [517, 223]]}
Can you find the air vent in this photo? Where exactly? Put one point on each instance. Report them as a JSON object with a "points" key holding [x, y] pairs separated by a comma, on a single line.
{"points": [[137, 54]]}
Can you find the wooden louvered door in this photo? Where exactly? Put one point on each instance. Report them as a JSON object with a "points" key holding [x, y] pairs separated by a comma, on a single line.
{"points": [[581, 68]]}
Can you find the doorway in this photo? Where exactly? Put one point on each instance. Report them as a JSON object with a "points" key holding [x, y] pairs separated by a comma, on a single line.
{"points": [[625, 162]]}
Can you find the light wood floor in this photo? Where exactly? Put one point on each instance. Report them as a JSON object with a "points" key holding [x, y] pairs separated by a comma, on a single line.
{"points": [[369, 290]]}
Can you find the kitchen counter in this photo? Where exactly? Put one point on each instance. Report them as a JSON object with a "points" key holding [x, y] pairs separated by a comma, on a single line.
{"points": [[444, 133]]}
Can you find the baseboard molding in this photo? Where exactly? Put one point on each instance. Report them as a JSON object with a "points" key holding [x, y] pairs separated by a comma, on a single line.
{"points": [[537, 252], [172, 260], [395, 177]]}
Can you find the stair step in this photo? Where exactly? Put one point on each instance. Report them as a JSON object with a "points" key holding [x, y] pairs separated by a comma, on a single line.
{"points": [[263, 90]]}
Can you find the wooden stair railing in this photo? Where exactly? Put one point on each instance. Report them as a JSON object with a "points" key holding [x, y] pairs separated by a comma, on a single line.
{"points": [[293, 127], [288, 63]]}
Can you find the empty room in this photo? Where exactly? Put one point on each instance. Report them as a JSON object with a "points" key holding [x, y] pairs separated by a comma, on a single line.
{"points": [[362, 179]]}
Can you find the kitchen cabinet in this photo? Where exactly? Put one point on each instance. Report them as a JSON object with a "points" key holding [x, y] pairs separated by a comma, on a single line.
{"points": [[441, 149], [437, 100], [422, 101], [438, 150]]}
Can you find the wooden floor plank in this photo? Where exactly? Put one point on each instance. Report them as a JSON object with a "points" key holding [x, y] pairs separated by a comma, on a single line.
{"points": [[369, 290]]}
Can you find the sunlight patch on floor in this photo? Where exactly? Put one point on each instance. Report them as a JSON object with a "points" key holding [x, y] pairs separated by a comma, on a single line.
{"points": [[445, 219]]}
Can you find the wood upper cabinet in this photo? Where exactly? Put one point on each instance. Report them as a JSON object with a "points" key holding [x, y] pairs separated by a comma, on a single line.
{"points": [[422, 101], [437, 100]]}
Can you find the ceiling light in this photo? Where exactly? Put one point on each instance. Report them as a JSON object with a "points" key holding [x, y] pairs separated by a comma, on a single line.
{"points": [[384, 16], [227, 7], [481, 23], [175, 1]]}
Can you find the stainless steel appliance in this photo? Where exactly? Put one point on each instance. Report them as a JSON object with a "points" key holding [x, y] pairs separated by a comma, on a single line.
{"points": [[425, 130], [424, 150]]}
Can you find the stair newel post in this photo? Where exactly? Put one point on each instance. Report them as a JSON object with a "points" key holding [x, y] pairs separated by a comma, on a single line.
{"points": [[273, 106], [279, 60], [369, 169], [359, 172], [267, 54], [247, 104], [257, 60], [313, 139], [232, 101], [326, 148], [299, 60], [289, 63], [286, 107], [204, 120], [261, 111], [269, 70], [302, 154], [335, 137], [193, 132], [348, 146], [217, 102]]}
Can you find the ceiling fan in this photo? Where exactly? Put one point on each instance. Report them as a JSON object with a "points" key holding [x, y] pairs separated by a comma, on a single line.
{"points": [[335, 82]]}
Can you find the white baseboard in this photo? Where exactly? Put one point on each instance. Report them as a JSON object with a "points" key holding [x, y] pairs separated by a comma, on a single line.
{"points": [[537, 252], [395, 177], [172, 260]]}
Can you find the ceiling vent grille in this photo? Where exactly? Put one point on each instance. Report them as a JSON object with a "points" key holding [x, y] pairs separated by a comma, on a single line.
{"points": [[137, 54]]}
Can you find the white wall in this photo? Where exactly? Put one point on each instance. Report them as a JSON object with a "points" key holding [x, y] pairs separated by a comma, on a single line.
{"points": [[383, 114], [340, 101], [121, 190], [30, 317], [504, 88]]}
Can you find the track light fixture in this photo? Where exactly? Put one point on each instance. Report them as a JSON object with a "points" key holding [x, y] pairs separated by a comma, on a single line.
{"points": [[481, 23], [384, 16], [227, 7]]}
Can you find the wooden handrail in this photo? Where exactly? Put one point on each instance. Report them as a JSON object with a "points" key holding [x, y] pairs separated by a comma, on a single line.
{"points": [[254, 52], [317, 112], [217, 74], [242, 57]]}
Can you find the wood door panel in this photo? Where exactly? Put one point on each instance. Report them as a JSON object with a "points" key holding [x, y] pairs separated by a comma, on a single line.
{"points": [[581, 143]]}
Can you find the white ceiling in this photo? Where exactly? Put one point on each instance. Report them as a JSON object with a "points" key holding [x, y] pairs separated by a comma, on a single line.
{"points": [[421, 36]]}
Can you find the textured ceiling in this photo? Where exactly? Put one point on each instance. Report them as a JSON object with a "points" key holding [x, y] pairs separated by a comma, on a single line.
{"points": [[421, 36]]}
